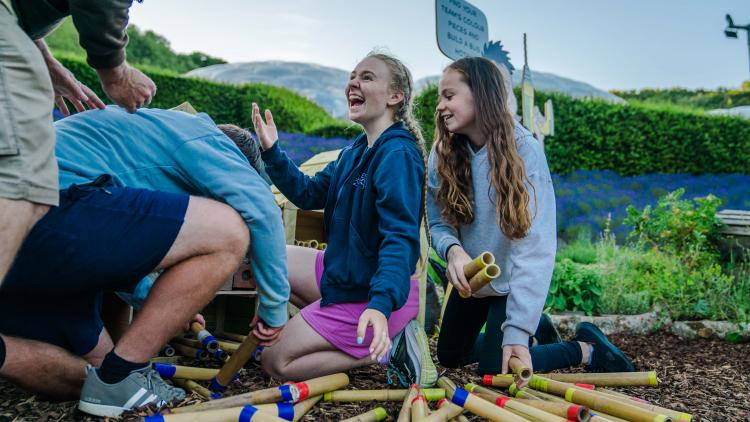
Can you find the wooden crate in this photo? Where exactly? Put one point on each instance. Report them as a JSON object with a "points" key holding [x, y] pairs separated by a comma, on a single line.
{"points": [[736, 222]]}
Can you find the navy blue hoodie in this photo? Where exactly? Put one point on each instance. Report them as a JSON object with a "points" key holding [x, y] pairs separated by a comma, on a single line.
{"points": [[372, 198]]}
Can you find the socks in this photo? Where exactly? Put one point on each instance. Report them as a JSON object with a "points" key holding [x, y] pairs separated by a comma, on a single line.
{"points": [[115, 369], [591, 354], [2, 352]]}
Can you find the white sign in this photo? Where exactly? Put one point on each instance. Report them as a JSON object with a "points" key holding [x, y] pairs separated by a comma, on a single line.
{"points": [[461, 28]]}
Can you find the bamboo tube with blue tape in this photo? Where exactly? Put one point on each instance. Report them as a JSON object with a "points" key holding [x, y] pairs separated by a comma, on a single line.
{"points": [[235, 363], [475, 405], [430, 394], [196, 388], [596, 402], [298, 410], [375, 415], [568, 411], [191, 352], [247, 413], [404, 415], [207, 339], [184, 372]]}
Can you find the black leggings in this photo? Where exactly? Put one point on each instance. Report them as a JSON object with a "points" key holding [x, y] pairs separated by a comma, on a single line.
{"points": [[460, 342]]}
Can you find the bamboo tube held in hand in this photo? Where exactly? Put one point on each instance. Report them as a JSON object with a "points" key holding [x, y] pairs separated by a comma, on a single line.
{"points": [[235, 363], [484, 276], [196, 388], [475, 405], [431, 394], [374, 415], [404, 415], [596, 402], [184, 372], [609, 379], [518, 368], [483, 260], [247, 413], [207, 339]]}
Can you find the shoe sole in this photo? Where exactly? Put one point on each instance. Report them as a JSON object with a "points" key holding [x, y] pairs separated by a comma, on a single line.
{"points": [[428, 371], [100, 410]]}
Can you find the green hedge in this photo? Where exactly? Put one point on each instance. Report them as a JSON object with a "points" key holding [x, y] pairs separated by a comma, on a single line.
{"points": [[701, 99], [628, 139], [225, 103]]}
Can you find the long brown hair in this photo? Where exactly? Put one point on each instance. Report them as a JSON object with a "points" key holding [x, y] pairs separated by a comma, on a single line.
{"points": [[507, 171]]}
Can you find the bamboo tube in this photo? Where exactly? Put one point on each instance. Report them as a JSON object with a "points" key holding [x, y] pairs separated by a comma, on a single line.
{"points": [[566, 410], [220, 355], [374, 415], [322, 246], [605, 417], [301, 408], [514, 405], [207, 339], [608, 379], [635, 401], [312, 243], [475, 405], [518, 368], [431, 394], [191, 352], [235, 363], [484, 259], [404, 415], [524, 393], [184, 372], [460, 418], [321, 385], [196, 388], [596, 402], [481, 278], [168, 351], [419, 409], [502, 381], [447, 410], [284, 392], [229, 347], [232, 336], [245, 413], [283, 410]]}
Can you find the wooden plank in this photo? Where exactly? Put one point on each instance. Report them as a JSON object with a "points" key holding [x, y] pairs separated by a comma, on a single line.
{"points": [[739, 231]]}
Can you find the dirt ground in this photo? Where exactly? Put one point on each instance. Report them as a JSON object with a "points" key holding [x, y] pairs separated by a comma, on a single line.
{"points": [[708, 378]]}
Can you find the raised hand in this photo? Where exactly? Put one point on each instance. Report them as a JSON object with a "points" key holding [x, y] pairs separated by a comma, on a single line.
{"points": [[457, 259], [381, 342], [127, 86], [266, 131]]}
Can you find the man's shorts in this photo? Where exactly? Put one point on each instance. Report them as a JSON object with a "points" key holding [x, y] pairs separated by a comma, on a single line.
{"points": [[99, 239], [28, 169]]}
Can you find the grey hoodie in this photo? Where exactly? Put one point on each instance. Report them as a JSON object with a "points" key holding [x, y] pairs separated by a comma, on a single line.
{"points": [[526, 263]]}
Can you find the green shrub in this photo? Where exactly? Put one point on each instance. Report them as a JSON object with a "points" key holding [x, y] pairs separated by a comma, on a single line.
{"points": [[580, 251], [574, 287], [630, 139]]}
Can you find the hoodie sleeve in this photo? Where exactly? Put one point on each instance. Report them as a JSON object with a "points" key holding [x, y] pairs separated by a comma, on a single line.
{"points": [[101, 27], [532, 257], [307, 193], [398, 207], [443, 234], [218, 170]]}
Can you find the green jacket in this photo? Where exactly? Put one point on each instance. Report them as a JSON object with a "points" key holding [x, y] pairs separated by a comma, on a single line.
{"points": [[100, 24]]}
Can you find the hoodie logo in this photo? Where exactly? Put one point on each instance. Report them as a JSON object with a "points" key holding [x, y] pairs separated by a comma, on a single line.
{"points": [[360, 181]]}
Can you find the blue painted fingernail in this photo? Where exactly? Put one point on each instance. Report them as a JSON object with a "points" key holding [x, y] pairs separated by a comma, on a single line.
{"points": [[360, 340]]}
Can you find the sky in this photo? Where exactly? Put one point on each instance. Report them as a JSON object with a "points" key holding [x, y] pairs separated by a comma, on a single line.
{"points": [[610, 44]]}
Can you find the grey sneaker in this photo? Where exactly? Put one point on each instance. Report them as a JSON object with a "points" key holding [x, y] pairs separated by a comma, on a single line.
{"points": [[138, 389], [410, 358]]}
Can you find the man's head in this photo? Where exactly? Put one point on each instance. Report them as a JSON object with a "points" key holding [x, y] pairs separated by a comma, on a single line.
{"points": [[248, 145]]}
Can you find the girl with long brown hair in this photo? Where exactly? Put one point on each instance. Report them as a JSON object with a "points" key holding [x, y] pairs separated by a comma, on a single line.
{"points": [[489, 189]]}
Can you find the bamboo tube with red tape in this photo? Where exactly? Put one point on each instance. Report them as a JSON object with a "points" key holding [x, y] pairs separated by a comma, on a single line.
{"points": [[529, 412], [321, 385], [595, 402], [518, 368], [196, 388], [247, 413], [447, 410], [477, 264], [568, 411], [404, 415], [608, 379], [235, 363], [635, 401], [475, 405], [430, 394], [481, 278], [286, 392], [419, 409], [374, 415], [207, 339], [166, 370]]}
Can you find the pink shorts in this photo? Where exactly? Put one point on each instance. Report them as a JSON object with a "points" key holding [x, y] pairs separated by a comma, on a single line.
{"points": [[338, 322]]}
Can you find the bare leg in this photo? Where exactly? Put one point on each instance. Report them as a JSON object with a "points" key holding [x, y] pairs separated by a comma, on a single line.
{"points": [[301, 266], [116, 315], [49, 370], [212, 241], [17, 217], [302, 353]]}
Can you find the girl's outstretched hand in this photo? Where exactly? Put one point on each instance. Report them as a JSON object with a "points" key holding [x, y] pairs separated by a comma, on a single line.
{"points": [[381, 342], [457, 259], [266, 131]]}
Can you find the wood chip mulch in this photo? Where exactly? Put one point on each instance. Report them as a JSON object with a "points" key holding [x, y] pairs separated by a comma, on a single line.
{"points": [[708, 378]]}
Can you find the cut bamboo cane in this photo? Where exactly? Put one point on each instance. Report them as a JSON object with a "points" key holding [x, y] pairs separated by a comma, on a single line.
{"points": [[191, 352], [595, 402], [283, 410], [482, 277], [284, 392], [475, 405], [419, 409], [447, 410], [483, 260], [374, 415], [235, 363], [518, 368], [460, 418], [184, 372], [635, 401], [502, 381], [527, 392], [566, 410], [207, 339], [608, 379], [301, 408], [196, 388], [246, 413], [321, 385], [168, 351], [514, 405], [312, 243], [431, 394], [229, 347], [404, 415]]}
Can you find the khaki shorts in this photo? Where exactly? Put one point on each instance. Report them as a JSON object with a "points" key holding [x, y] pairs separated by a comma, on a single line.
{"points": [[28, 169]]}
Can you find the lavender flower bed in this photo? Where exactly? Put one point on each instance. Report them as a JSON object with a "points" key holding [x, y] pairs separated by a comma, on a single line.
{"points": [[585, 198]]}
